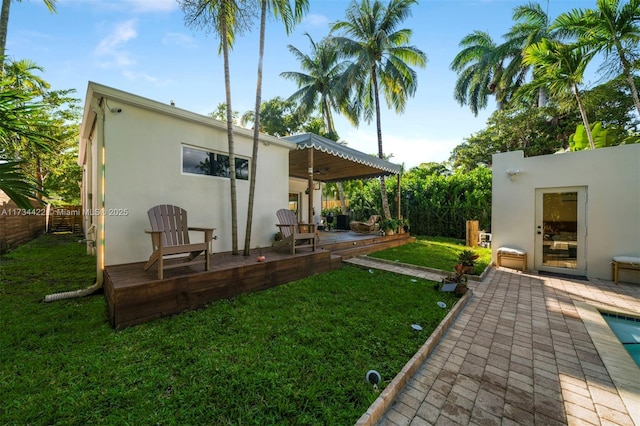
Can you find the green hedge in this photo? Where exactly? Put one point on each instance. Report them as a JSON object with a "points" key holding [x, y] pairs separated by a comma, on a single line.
{"points": [[436, 204]]}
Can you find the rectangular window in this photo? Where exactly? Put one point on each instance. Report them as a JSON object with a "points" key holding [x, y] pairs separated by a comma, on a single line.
{"points": [[201, 162]]}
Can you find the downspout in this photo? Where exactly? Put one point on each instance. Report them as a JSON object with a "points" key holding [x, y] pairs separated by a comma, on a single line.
{"points": [[99, 233]]}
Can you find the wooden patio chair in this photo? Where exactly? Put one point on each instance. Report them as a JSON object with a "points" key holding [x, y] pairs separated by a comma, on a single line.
{"points": [[367, 227], [298, 235], [170, 236]]}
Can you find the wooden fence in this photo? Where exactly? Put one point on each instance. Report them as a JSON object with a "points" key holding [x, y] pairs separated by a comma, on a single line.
{"points": [[18, 226]]}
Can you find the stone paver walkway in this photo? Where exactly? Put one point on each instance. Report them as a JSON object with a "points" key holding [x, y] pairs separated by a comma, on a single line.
{"points": [[521, 354]]}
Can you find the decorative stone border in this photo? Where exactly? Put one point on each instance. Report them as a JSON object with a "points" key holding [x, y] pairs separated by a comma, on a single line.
{"points": [[381, 405], [480, 277]]}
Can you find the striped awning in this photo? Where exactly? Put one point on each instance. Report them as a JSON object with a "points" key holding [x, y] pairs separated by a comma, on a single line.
{"points": [[334, 162]]}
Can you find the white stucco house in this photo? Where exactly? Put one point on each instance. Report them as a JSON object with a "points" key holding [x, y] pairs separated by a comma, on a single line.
{"points": [[137, 153], [572, 212]]}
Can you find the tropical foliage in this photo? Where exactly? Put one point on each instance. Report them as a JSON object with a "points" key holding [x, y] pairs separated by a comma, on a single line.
{"points": [[318, 88], [433, 200], [38, 134], [536, 74]]}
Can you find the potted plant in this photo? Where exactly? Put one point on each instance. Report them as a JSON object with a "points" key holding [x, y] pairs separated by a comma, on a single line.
{"points": [[467, 258], [389, 226], [455, 282], [405, 224]]}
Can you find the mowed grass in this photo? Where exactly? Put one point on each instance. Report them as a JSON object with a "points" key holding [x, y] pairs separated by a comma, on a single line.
{"points": [[435, 252], [296, 354]]}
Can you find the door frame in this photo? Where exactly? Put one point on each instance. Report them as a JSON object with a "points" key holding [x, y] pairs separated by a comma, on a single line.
{"points": [[581, 230]]}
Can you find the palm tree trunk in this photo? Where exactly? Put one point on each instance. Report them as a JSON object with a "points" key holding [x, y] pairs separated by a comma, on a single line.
{"points": [[331, 129], [626, 69], [585, 120], [634, 91], [232, 155], [256, 132], [4, 26], [383, 187]]}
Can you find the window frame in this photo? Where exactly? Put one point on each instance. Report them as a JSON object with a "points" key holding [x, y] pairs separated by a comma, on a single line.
{"points": [[240, 161]]}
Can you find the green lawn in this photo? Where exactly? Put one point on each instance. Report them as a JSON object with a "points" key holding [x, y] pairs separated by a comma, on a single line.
{"points": [[434, 252], [295, 354]]}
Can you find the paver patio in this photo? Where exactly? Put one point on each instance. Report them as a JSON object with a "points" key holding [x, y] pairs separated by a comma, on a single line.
{"points": [[524, 351]]}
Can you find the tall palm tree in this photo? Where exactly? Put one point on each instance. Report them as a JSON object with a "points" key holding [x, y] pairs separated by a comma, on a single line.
{"points": [[4, 21], [531, 25], [480, 67], [290, 16], [226, 18], [560, 67], [612, 29], [381, 60]]}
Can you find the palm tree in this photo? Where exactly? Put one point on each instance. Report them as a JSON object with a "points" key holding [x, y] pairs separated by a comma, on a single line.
{"points": [[611, 29], [531, 26], [281, 9], [20, 119], [4, 21], [480, 68], [226, 18], [560, 67], [381, 60], [318, 88]]}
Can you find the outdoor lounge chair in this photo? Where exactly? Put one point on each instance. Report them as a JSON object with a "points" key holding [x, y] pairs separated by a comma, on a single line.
{"points": [[170, 236], [367, 227], [294, 234]]}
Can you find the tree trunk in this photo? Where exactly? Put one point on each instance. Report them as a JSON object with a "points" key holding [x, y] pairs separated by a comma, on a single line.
{"points": [[256, 133], [634, 91], [626, 70], [585, 120], [383, 187], [4, 26], [331, 129], [232, 155]]}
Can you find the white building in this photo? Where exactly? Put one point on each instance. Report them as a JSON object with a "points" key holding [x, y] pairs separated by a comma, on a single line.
{"points": [[137, 153], [570, 212]]}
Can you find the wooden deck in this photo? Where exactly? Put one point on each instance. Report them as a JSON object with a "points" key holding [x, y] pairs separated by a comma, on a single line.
{"points": [[135, 296]]}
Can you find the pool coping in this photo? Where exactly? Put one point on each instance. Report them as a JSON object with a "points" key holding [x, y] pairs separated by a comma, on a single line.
{"points": [[623, 370]]}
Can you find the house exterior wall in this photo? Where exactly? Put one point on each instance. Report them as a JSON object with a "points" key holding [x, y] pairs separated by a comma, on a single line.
{"points": [[611, 177], [299, 186], [143, 168]]}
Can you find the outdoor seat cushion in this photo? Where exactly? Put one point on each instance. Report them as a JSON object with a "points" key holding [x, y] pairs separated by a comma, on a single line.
{"points": [[510, 250], [627, 259]]}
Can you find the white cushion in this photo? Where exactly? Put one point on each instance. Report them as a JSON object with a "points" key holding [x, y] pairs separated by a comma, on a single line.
{"points": [[627, 259], [510, 250]]}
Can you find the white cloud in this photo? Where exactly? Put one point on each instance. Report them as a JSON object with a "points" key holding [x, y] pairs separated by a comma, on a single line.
{"points": [[405, 149], [179, 39], [111, 46], [316, 20]]}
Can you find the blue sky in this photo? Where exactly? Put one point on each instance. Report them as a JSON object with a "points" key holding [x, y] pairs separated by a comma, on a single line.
{"points": [[143, 47]]}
